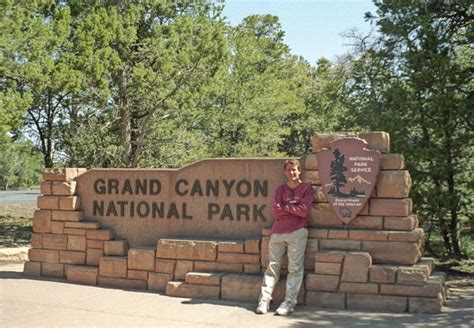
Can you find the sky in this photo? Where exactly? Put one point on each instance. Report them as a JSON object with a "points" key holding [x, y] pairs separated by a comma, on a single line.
{"points": [[312, 28]]}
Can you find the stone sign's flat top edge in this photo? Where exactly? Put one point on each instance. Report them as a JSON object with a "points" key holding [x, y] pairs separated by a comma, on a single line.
{"points": [[345, 139], [240, 159]]}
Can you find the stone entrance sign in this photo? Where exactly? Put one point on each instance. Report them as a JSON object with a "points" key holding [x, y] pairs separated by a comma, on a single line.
{"points": [[203, 231], [221, 198], [348, 173]]}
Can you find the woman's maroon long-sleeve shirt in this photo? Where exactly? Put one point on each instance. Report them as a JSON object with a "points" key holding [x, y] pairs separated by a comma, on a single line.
{"points": [[291, 207]]}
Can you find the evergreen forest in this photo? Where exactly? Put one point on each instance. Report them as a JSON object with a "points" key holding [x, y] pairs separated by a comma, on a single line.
{"points": [[163, 83]]}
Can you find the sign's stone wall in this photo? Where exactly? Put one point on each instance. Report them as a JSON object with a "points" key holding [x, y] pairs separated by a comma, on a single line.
{"points": [[217, 198], [203, 232]]}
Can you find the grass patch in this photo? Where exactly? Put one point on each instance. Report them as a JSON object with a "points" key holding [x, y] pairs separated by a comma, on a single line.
{"points": [[15, 225]]}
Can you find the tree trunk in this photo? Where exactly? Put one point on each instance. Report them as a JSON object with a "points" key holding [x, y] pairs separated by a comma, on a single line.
{"points": [[138, 132], [454, 233], [49, 131], [428, 233], [125, 119], [453, 203], [442, 223], [445, 235]]}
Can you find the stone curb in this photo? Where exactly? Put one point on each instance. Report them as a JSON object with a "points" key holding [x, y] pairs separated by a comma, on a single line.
{"points": [[13, 255]]}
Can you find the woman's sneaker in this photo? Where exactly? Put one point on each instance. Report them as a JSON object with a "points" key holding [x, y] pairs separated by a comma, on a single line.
{"points": [[262, 307], [285, 308]]}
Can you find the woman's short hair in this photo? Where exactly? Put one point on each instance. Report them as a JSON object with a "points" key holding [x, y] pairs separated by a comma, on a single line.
{"points": [[292, 162]]}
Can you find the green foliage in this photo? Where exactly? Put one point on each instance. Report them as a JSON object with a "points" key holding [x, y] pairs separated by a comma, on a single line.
{"points": [[241, 110], [161, 83], [415, 83], [323, 90], [90, 139], [20, 164], [251, 95], [13, 102], [37, 79], [146, 60]]}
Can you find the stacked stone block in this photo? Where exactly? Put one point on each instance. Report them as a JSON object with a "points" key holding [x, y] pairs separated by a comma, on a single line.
{"points": [[228, 270], [386, 228], [349, 280], [59, 235], [372, 263], [176, 259]]}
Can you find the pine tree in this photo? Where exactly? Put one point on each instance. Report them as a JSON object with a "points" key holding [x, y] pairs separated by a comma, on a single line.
{"points": [[336, 172]]}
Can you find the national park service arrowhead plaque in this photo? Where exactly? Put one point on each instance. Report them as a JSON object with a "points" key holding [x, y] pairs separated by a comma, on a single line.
{"points": [[348, 173]]}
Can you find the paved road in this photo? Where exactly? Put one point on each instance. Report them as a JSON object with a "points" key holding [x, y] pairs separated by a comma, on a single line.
{"points": [[46, 303], [18, 197]]}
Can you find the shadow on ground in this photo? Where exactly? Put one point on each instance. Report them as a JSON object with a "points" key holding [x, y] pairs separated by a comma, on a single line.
{"points": [[458, 312]]}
